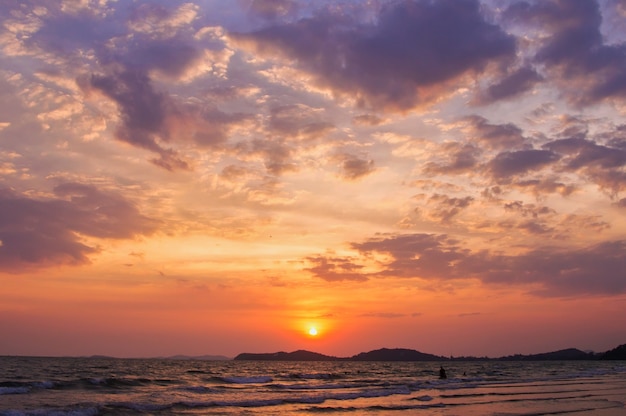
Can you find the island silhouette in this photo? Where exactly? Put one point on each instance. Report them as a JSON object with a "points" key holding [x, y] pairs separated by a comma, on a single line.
{"points": [[404, 354]]}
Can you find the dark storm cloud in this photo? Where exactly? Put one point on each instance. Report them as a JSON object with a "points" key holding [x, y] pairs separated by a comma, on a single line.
{"points": [[43, 232], [401, 61], [596, 270], [507, 164], [510, 86], [575, 55]]}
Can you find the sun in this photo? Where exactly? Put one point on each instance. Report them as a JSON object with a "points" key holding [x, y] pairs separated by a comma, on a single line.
{"points": [[312, 331]]}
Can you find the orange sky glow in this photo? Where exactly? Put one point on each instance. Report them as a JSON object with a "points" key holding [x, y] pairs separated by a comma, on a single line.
{"points": [[186, 177]]}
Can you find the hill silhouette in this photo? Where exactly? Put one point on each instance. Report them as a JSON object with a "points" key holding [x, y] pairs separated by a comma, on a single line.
{"points": [[395, 354], [404, 354], [383, 354], [617, 353], [566, 354]]}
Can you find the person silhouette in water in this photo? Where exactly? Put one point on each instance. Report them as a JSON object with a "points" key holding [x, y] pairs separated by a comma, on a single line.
{"points": [[442, 373]]}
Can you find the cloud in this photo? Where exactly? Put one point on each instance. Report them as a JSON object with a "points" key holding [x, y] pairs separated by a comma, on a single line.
{"points": [[507, 164], [414, 53], [443, 208], [585, 153], [272, 9], [368, 120], [298, 122], [150, 118], [124, 54], [602, 164], [460, 158], [44, 232], [384, 315], [510, 86], [354, 167], [494, 136], [546, 186], [143, 112], [157, 21], [551, 271], [332, 268], [574, 54], [533, 219]]}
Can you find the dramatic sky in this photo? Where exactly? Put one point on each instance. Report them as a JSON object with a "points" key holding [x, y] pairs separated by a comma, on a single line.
{"points": [[214, 177]]}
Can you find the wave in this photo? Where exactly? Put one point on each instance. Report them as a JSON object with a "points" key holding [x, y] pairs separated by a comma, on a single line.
{"points": [[247, 380], [16, 387], [315, 376], [140, 387], [88, 411]]}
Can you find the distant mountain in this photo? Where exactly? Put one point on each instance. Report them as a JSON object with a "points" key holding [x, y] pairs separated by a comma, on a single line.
{"points": [[403, 354], [395, 354], [198, 358], [300, 355], [618, 353], [384, 354], [567, 354]]}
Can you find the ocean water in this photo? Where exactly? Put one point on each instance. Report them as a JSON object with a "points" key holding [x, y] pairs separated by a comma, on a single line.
{"points": [[104, 386]]}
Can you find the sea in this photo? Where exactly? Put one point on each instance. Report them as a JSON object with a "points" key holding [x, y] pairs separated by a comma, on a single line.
{"points": [[108, 386]]}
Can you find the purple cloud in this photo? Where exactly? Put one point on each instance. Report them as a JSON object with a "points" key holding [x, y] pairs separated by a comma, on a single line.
{"points": [[510, 86], [43, 232], [334, 269], [604, 165], [273, 9], [507, 164], [596, 270], [143, 111], [575, 55], [461, 158], [495, 136], [298, 122], [445, 207], [401, 61], [354, 167]]}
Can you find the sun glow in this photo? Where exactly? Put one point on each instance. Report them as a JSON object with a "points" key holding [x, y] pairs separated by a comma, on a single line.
{"points": [[312, 331]]}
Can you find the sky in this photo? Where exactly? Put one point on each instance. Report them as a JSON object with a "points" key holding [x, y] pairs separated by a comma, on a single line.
{"points": [[217, 177]]}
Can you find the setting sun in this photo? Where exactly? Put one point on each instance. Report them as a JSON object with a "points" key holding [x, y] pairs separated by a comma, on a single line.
{"points": [[312, 331]]}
